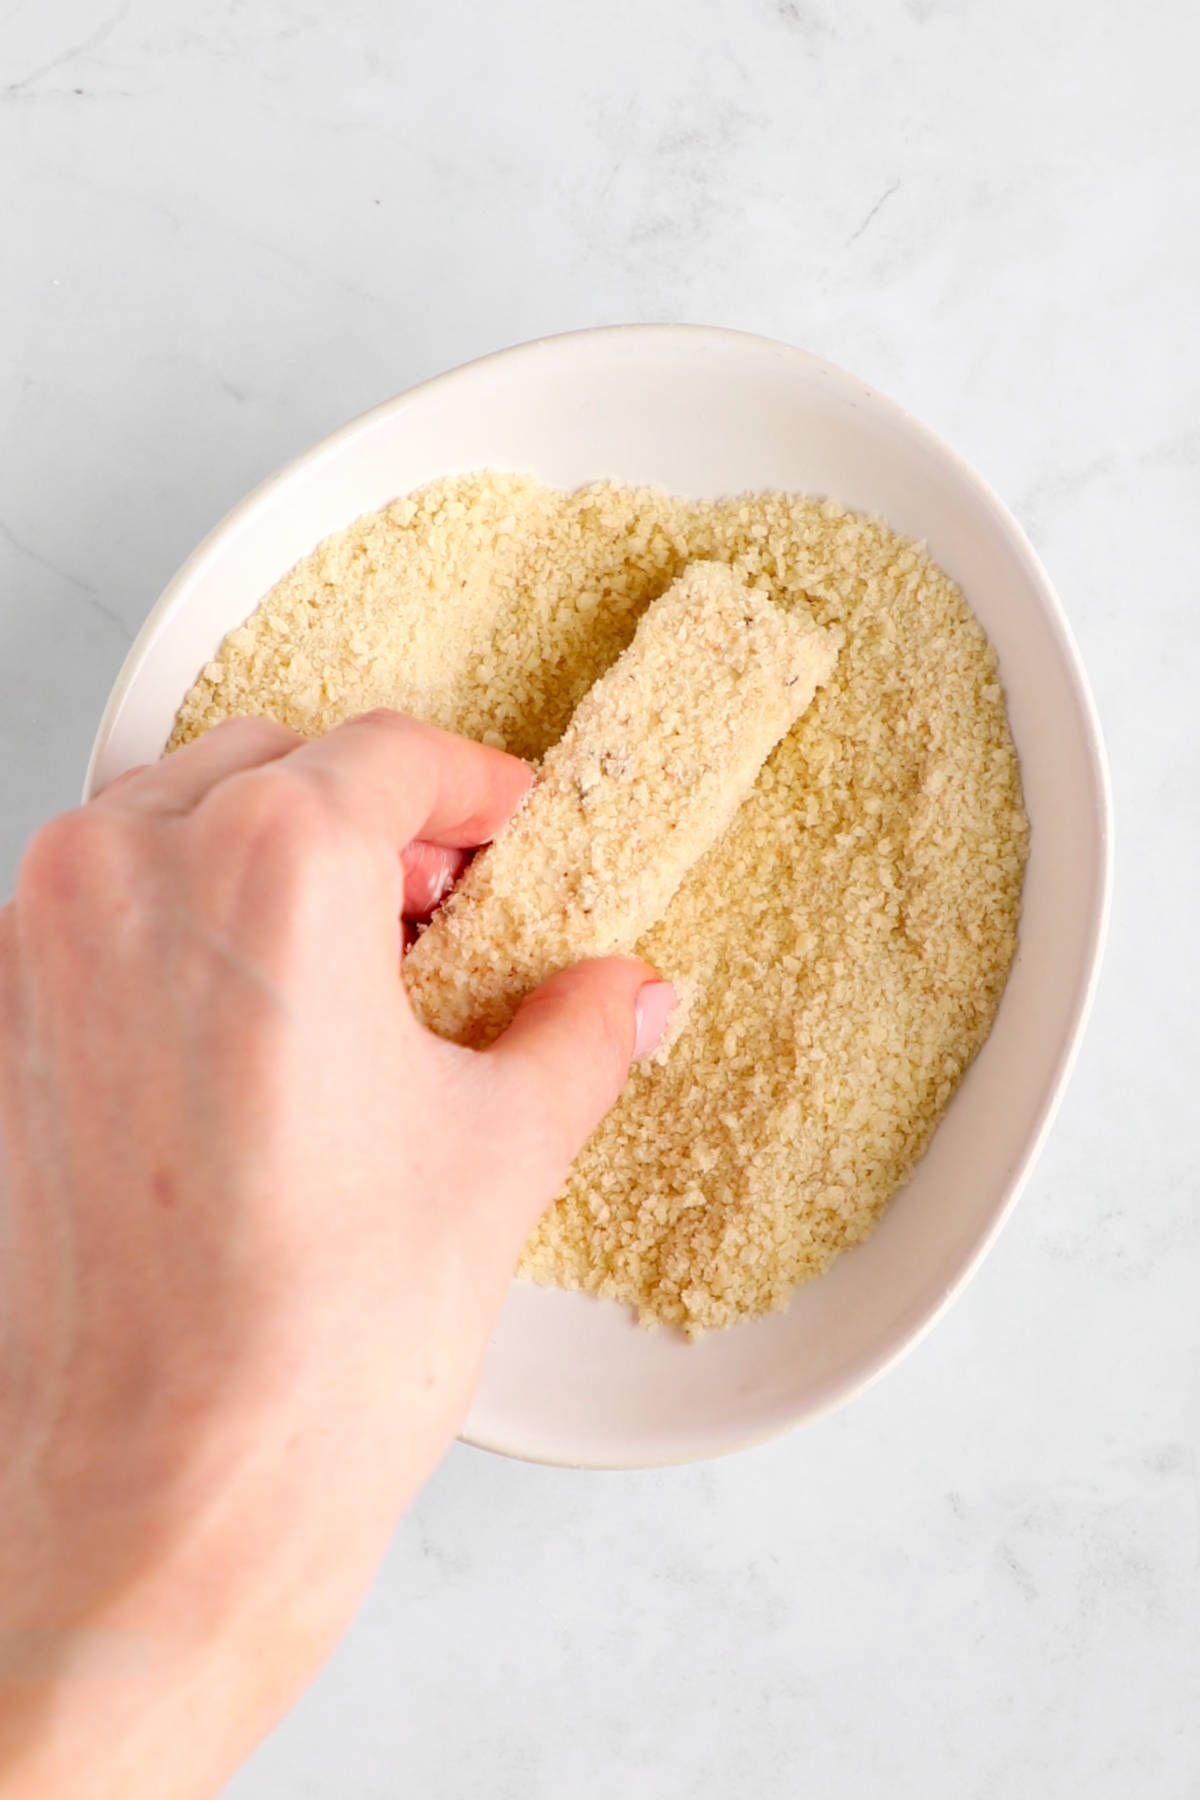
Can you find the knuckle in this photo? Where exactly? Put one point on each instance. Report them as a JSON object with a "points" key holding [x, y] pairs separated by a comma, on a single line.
{"points": [[606, 1025], [77, 858], [385, 717], [614, 1046], [271, 820], [615, 1032], [397, 727], [123, 780], [593, 1072], [257, 733], [537, 1134], [270, 803]]}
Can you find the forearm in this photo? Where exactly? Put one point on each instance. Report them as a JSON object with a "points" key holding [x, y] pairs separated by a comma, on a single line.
{"points": [[158, 1692], [96, 1711]]}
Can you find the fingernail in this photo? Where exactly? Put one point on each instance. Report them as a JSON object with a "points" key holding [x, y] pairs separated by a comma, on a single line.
{"points": [[651, 1010], [440, 884]]}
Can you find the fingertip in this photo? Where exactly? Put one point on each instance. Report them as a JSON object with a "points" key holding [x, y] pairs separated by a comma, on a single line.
{"points": [[567, 1055], [402, 779], [509, 782]]}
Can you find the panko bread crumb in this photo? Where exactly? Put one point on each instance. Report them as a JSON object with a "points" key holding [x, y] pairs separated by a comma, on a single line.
{"points": [[845, 942], [654, 764]]}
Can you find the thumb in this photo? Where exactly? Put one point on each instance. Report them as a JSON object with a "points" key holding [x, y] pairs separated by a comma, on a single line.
{"points": [[564, 1059]]}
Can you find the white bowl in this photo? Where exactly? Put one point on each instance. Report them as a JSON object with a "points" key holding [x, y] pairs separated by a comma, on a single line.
{"points": [[707, 412]]}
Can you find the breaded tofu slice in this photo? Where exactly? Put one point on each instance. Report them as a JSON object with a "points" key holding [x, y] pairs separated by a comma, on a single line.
{"points": [[655, 762]]}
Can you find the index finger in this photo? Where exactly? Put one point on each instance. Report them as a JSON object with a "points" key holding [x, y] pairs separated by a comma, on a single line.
{"points": [[399, 779]]}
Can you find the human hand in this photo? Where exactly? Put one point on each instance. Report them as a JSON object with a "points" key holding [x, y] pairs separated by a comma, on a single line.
{"points": [[257, 1226]]}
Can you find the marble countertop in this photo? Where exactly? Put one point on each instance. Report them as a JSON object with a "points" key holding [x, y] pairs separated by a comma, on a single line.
{"points": [[227, 228]]}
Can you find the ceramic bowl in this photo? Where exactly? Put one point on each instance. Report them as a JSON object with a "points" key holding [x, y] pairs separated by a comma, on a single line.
{"points": [[707, 412]]}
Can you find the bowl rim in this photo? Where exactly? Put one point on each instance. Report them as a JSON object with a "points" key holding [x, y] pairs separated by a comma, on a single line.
{"points": [[856, 1379]]}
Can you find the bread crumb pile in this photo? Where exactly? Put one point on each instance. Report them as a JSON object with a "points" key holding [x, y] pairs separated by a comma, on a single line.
{"points": [[846, 940], [656, 760]]}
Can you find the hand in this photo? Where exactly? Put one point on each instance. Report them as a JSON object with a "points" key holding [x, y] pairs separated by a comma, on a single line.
{"points": [[257, 1224]]}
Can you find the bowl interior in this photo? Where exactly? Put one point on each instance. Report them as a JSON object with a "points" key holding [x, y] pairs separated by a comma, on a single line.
{"points": [[705, 412]]}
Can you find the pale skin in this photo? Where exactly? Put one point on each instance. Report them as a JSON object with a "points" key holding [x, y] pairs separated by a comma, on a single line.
{"points": [[255, 1226]]}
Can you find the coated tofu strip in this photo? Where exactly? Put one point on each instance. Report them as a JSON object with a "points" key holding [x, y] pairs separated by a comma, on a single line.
{"points": [[654, 764]]}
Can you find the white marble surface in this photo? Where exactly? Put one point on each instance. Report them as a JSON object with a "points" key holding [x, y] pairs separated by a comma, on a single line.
{"points": [[228, 227]]}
